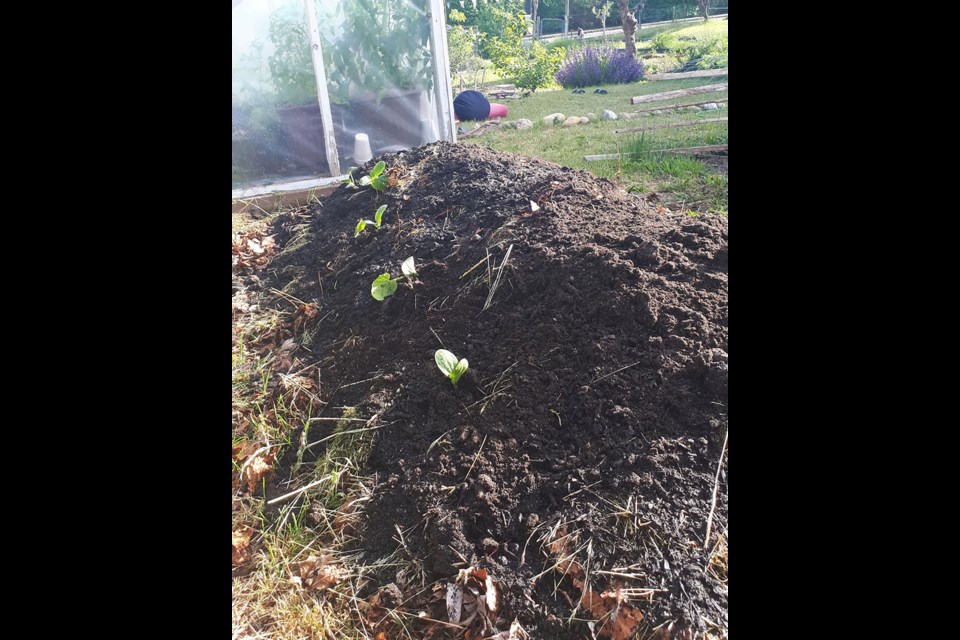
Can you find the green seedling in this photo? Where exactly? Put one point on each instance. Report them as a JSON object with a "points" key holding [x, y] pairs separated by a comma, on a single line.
{"points": [[377, 219], [448, 363], [377, 178], [349, 179], [385, 286]]}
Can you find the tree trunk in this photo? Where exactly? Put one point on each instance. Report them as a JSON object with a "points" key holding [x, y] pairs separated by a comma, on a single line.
{"points": [[704, 8], [629, 23], [536, 4], [566, 21]]}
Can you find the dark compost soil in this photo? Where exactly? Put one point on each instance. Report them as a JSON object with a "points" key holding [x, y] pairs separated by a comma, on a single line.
{"points": [[597, 390]]}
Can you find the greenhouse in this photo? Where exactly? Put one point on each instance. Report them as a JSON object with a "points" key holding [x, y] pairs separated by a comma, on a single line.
{"points": [[321, 85]]}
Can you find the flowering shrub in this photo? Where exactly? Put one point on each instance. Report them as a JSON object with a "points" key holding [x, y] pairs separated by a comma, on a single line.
{"points": [[590, 66]]}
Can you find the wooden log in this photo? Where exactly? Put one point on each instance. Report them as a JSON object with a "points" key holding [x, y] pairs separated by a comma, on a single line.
{"points": [[679, 106], [679, 93], [696, 150], [605, 156], [689, 150], [704, 73], [670, 125]]}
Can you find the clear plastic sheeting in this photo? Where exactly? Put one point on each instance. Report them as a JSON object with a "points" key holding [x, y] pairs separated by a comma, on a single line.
{"points": [[380, 77]]}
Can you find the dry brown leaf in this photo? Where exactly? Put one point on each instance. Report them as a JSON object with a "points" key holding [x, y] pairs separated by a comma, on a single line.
{"points": [[243, 450], [258, 468], [343, 522], [380, 636], [619, 620], [241, 544], [318, 572]]}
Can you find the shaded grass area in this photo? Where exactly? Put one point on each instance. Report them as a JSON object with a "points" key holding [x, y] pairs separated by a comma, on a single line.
{"points": [[698, 186]]}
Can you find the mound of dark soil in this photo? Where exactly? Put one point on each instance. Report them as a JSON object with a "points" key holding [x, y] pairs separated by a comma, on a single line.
{"points": [[595, 403]]}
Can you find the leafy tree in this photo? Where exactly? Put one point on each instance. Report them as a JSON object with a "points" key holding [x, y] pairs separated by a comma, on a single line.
{"points": [[531, 66], [603, 12]]}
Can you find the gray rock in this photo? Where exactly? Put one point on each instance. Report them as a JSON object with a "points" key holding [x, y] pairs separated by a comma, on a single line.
{"points": [[553, 118], [608, 115], [693, 108], [592, 116], [523, 123], [710, 106]]}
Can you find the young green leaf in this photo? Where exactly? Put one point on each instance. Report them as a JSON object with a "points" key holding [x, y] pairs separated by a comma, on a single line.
{"points": [[349, 179], [360, 227], [377, 169], [378, 216], [449, 365], [460, 369], [446, 361], [383, 287], [365, 181], [379, 183], [408, 267]]}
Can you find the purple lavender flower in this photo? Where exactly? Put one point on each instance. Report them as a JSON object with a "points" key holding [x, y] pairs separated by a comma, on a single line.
{"points": [[598, 65]]}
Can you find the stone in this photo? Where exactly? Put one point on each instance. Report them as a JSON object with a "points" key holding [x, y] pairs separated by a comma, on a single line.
{"points": [[553, 118], [522, 124], [608, 115], [629, 115], [693, 109], [710, 106], [571, 121], [656, 112], [592, 116]]}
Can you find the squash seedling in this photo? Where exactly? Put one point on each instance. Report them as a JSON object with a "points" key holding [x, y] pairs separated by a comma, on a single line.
{"points": [[349, 179], [377, 219], [385, 286], [450, 366], [377, 178]]}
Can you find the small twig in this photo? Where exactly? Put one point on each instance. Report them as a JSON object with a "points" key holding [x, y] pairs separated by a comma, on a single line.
{"points": [[437, 441], [343, 433], [299, 491], [496, 283], [613, 372], [475, 459], [716, 485], [437, 337], [474, 267], [289, 298]]}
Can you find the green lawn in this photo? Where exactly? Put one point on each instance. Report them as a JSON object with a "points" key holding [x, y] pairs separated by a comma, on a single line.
{"points": [[691, 182], [688, 181]]}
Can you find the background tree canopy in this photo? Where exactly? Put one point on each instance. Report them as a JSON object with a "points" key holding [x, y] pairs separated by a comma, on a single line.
{"points": [[478, 14]]}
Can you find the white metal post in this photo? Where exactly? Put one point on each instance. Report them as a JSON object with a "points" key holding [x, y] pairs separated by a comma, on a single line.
{"points": [[441, 70], [316, 52]]}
